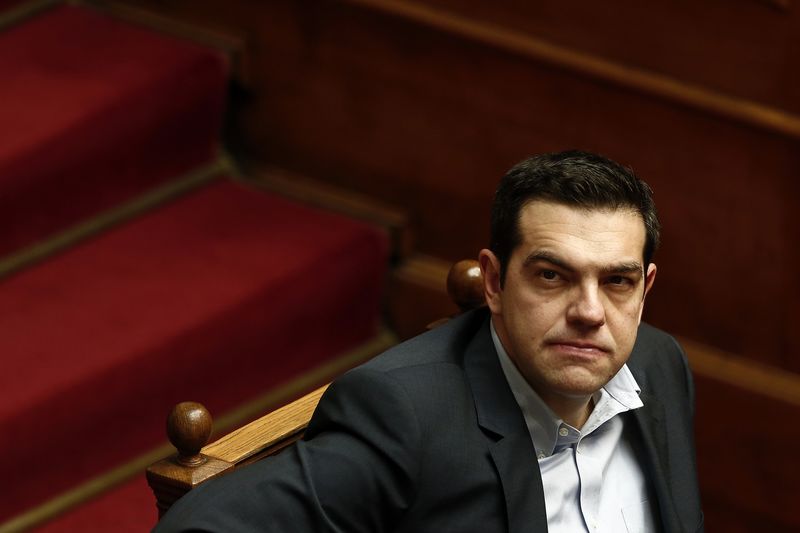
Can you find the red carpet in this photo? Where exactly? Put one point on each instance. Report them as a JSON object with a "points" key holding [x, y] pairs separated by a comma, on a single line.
{"points": [[129, 508], [94, 111], [214, 298], [217, 297]]}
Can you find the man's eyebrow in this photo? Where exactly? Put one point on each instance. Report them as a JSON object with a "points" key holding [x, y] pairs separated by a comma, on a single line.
{"points": [[623, 268], [626, 267], [543, 255]]}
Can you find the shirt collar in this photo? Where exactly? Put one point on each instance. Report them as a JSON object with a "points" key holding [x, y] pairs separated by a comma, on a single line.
{"points": [[620, 394]]}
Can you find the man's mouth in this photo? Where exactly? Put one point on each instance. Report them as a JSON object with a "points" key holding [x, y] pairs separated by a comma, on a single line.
{"points": [[578, 347]]}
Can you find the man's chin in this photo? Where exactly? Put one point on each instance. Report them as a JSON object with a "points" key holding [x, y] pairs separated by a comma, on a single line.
{"points": [[581, 384]]}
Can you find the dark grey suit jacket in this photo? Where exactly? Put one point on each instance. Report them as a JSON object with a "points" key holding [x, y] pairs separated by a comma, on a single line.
{"points": [[427, 437]]}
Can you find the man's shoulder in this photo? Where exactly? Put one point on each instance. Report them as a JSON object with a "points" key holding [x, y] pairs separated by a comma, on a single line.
{"points": [[420, 379], [657, 356], [651, 340], [444, 344], [649, 335]]}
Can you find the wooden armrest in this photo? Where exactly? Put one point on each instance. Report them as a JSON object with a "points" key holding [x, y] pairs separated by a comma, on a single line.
{"points": [[188, 428], [189, 424], [267, 435]]}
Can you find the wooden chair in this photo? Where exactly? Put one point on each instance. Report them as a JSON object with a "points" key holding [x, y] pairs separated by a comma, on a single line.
{"points": [[189, 423]]}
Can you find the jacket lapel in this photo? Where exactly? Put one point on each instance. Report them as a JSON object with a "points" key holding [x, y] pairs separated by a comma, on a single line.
{"points": [[650, 419], [522, 483], [512, 451]]}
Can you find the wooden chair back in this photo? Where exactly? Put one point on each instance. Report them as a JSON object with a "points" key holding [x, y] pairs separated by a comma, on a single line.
{"points": [[189, 423]]}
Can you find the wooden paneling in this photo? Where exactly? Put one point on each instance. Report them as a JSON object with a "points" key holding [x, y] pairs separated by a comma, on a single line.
{"points": [[505, 37], [748, 477], [417, 295], [744, 48], [742, 423]]}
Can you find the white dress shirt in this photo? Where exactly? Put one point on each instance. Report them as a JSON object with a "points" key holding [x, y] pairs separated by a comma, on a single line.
{"points": [[592, 479]]}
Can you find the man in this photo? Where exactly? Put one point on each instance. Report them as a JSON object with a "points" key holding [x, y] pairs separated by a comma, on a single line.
{"points": [[553, 410]]}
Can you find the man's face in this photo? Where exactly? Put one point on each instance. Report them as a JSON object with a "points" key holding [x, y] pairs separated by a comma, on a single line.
{"points": [[573, 296]]}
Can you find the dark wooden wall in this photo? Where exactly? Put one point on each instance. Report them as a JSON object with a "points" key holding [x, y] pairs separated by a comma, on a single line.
{"points": [[423, 104]]}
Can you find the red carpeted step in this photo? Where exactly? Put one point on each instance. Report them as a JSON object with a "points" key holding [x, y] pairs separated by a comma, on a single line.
{"points": [[93, 111], [129, 508], [213, 298]]}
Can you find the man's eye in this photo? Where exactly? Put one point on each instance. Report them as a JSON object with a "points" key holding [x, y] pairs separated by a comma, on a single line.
{"points": [[549, 275], [620, 280]]}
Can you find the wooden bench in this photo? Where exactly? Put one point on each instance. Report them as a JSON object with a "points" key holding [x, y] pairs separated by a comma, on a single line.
{"points": [[189, 424]]}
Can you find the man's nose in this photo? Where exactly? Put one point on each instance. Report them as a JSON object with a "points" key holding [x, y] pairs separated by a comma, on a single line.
{"points": [[587, 307]]}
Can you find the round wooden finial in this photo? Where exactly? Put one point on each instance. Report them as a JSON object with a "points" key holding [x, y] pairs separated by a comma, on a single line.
{"points": [[465, 284], [188, 429]]}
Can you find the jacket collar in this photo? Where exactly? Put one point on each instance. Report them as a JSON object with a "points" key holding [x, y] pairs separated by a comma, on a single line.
{"points": [[511, 448], [650, 422]]}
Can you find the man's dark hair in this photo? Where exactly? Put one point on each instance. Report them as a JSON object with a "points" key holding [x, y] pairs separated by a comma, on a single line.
{"points": [[572, 178]]}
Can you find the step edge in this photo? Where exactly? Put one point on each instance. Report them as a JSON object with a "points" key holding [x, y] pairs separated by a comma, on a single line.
{"points": [[94, 225], [232, 43]]}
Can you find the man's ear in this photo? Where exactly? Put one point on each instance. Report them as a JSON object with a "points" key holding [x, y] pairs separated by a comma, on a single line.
{"points": [[649, 279], [490, 268]]}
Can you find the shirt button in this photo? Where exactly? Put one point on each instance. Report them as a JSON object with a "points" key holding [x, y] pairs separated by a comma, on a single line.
{"points": [[563, 432], [540, 456]]}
